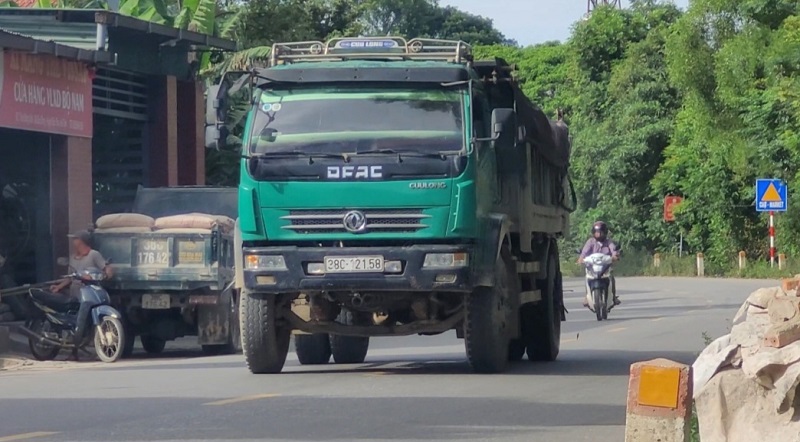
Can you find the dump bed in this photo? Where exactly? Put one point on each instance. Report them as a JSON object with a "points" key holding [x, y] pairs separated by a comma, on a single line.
{"points": [[187, 247]]}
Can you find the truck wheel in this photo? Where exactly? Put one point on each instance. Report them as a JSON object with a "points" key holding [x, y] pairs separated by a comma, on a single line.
{"points": [[486, 325], [152, 344], [130, 342], [542, 322], [313, 349], [348, 349], [265, 341], [516, 350]]}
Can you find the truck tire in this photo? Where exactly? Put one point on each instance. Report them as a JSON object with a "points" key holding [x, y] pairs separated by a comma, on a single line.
{"points": [[152, 344], [130, 341], [486, 324], [516, 350], [313, 349], [265, 341], [542, 322], [348, 349]]}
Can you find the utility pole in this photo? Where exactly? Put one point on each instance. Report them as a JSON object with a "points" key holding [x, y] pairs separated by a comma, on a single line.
{"points": [[591, 5]]}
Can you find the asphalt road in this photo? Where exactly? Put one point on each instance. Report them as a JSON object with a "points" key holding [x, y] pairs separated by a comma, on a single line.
{"points": [[415, 388]]}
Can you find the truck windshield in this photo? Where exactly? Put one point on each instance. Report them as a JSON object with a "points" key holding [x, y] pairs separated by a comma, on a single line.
{"points": [[357, 120]]}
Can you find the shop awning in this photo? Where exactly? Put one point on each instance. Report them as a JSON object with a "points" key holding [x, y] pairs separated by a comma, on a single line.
{"points": [[11, 40]]}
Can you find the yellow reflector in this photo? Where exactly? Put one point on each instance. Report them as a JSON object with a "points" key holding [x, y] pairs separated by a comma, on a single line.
{"points": [[658, 386]]}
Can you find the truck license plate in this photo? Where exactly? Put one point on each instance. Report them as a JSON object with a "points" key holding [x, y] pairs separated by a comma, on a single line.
{"points": [[152, 252], [155, 302], [354, 264]]}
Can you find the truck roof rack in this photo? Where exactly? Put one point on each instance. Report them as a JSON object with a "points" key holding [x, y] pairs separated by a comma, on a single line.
{"points": [[371, 48]]}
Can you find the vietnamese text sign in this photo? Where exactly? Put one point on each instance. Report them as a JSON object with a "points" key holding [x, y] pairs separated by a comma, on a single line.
{"points": [[44, 93], [771, 195]]}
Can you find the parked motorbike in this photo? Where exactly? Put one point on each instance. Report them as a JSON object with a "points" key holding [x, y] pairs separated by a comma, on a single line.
{"points": [[51, 327], [598, 270]]}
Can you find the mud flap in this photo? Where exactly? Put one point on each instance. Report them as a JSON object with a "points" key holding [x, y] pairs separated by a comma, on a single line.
{"points": [[214, 320], [496, 227]]}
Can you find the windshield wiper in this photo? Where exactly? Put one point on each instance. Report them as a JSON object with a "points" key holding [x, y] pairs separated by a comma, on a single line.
{"points": [[404, 152], [300, 153]]}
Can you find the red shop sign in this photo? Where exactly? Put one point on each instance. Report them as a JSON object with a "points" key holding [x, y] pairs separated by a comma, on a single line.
{"points": [[44, 93]]}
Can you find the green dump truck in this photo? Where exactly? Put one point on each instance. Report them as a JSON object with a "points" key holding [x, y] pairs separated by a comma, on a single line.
{"points": [[394, 187]]}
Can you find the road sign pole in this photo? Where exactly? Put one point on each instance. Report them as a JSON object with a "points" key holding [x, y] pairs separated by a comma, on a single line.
{"points": [[772, 239]]}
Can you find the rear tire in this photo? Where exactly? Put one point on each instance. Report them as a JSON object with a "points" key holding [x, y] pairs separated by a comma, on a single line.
{"points": [[313, 349], [152, 344], [41, 352], [130, 342], [487, 320], [516, 350], [265, 341], [348, 349], [542, 322]]}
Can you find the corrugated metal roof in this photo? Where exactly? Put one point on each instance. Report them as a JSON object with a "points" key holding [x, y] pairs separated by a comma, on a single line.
{"points": [[77, 27], [49, 28], [13, 40]]}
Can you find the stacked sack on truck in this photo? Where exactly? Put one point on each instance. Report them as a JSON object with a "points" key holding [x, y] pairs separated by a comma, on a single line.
{"points": [[185, 223]]}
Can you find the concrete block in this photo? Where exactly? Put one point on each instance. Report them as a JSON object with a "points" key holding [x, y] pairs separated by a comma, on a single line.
{"points": [[659, 402], [5, 340]]}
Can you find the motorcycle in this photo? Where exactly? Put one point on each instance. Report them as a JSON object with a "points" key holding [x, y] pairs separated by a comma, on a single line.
{"points": [[54, 320], [598, 269]]}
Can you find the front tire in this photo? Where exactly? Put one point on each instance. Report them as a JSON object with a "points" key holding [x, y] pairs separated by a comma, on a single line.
{"points": [[487, 320], [542, 322], [313, 349], [348, 349], [599, 303], [265, 341], [109, 339]]}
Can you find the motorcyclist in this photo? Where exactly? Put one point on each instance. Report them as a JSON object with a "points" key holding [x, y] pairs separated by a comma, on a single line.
{"points": [[83, 258], [599, 243]]}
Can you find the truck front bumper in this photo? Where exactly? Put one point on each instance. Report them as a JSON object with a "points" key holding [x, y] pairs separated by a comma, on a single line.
{"points": [[413, 275]]}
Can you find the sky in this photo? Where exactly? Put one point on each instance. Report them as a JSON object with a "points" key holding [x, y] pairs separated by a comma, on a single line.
{"points": [[531, 21]]}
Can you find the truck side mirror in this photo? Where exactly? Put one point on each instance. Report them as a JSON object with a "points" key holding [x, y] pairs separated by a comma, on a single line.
{"points": [[504, 123], [216, 104], [216, 136]]}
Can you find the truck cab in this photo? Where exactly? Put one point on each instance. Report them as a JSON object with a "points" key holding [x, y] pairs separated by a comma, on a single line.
{"points": [[392, 187]]}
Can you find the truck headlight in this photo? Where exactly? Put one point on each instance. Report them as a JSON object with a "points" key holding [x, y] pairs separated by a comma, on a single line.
{"points": [[269, 263], [445, 260]]}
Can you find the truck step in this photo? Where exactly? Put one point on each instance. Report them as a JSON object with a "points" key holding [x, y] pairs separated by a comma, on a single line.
{"points": [[528, 267], [530, 296]]}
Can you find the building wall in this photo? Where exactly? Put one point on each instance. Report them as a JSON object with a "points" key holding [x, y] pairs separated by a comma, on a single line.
{"points": [[72, 188], [177, 151]]}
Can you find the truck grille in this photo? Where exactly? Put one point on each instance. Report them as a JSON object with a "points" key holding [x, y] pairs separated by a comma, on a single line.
{"points": [[377, 220]]}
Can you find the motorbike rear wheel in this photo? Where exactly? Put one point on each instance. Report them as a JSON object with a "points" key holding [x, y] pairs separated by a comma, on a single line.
{"points": [[41, 352], [109, 339]]}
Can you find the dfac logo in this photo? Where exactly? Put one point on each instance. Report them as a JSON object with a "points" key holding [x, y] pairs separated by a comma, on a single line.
{"points": [[358, 172], [355, 221]]}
